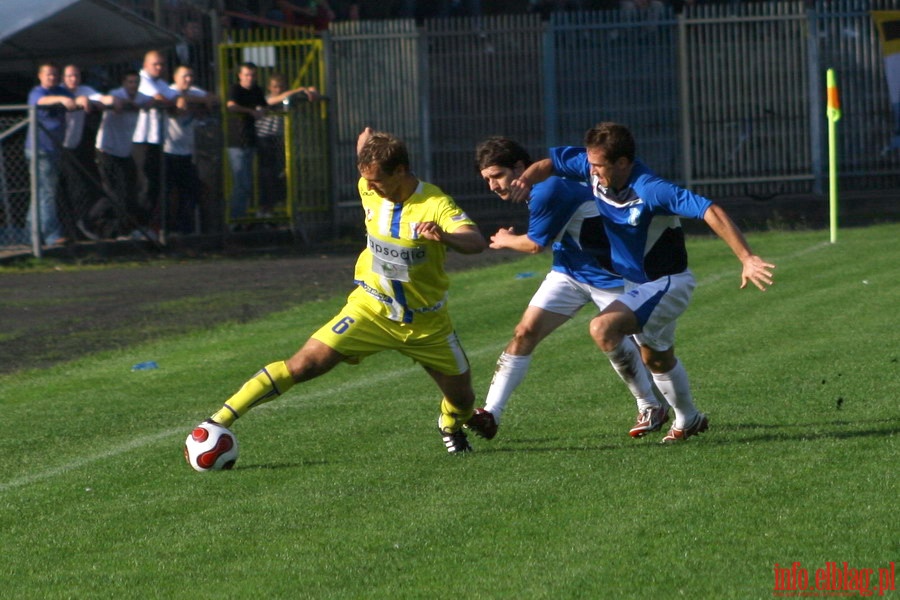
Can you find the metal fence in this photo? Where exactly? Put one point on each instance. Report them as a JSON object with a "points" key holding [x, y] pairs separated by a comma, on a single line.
{"points": [[728, 99], [301, 149], [15, 178]]}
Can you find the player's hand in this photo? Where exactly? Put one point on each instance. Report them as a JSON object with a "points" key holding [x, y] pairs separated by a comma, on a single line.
{"points": [[430, 230], [499, 240], [757, 271], [363, 138], [519, 191]]}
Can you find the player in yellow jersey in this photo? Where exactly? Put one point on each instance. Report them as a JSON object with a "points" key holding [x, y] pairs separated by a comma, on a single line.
{"points": [[400, 302]]}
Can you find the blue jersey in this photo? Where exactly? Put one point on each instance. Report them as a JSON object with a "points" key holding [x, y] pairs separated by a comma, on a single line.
{"points": [[562, 212], [645, 234], [51, 118]]}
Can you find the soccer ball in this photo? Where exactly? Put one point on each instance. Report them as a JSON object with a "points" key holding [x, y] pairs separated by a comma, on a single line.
{"points": [[211, 447]]}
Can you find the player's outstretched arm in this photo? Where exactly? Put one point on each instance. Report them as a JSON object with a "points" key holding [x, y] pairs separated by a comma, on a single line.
{"points": [[465, 240], [520, 188], [507, 238], [754, 269]]}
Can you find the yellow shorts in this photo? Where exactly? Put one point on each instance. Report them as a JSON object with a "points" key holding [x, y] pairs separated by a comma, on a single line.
{"points": [[357, 332]]}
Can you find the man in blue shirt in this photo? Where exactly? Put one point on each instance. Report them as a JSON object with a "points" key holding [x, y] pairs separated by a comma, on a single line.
{"points": [[563, 215], [52, 101], [640, 212]]}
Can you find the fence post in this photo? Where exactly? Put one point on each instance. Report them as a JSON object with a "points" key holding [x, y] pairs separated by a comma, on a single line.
{"points": [[684, 100], [35, 209], [816, 132], [421, 41], [331, 134], [548, 68]]}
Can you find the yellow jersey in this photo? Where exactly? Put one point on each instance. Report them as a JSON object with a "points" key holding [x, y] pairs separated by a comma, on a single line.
{"points": [[400, 275]]}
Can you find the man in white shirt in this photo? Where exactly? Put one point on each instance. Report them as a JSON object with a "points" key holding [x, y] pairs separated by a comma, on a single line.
{"points": [[79, 175], [119, 212], [191, 103], [149, 133]]}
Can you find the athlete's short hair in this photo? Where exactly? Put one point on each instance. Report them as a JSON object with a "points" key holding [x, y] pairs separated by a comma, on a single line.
{"points": [[280, 78], [385, 151], [499, 151], [614, 139]]}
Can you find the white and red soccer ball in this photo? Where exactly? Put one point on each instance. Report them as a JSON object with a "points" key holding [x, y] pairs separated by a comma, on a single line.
{"points": [[211, 447]]}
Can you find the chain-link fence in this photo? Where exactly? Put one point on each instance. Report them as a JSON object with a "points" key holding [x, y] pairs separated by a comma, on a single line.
{"points": [[15, 178], [726, 99]]}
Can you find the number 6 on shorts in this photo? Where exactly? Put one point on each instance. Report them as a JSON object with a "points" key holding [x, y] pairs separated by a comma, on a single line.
{"points": [[343, 325]]}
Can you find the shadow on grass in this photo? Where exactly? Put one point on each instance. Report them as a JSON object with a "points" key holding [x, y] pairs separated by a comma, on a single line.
{"points": [[552, 445], [716, 436], [813, 425], [719, 436], [812, 431], [285, 465]]}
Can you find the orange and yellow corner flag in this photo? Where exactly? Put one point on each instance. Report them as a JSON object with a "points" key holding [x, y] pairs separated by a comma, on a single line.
{"points": [[834, 101]]}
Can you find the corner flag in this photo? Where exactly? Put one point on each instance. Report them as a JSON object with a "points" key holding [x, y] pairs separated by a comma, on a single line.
{"points": [[834, 100], [834, 113]]}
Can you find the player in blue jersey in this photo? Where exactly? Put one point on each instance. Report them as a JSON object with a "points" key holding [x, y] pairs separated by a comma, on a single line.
{"points": [[563, 215], [640, 212], [400, 302]]}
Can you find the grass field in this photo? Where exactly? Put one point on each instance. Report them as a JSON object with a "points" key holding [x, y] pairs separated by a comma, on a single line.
{"points": [[344, 490]]}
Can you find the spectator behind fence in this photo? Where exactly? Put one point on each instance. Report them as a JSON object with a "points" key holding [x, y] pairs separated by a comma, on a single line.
{"points": [[306, 13], [149, 134], [546, 7], [52, 101], [188, 51], [246, 103], [348, 10], [642, 10], [249, 8], [119, 212], [191, 104], [78, 189], [270, 143]]}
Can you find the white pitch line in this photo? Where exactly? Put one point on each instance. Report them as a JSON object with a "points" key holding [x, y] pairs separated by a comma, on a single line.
{"points": [[145, 440], [340, 390], [134, 444]]}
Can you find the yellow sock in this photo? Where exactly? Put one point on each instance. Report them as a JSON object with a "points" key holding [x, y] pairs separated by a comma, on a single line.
{"points": [[452, 418], [272, 381]]}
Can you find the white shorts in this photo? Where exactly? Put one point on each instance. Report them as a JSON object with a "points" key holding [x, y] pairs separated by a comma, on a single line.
{"points": [[561, 294], [658, 304]]}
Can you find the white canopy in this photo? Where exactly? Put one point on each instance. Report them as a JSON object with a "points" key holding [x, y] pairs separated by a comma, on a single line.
{"points": [[82, 31]]}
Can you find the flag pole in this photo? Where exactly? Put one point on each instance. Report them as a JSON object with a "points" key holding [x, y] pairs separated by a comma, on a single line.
{"points": [[833, 113]]}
